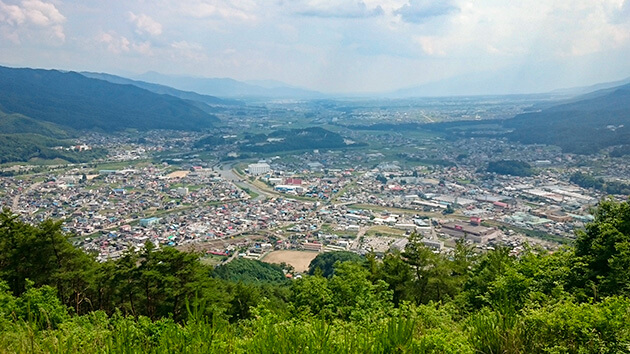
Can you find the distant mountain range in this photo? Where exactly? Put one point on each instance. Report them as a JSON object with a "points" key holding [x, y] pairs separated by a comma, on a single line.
{"points": [[161, 89], [74, 102], [530, 77], [597, 89], [224, 87]]}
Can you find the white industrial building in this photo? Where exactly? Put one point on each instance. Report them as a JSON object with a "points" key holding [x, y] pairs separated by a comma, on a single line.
{"points": [[258, 168]]}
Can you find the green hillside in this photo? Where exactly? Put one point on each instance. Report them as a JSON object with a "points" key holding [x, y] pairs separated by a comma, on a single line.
{"points": [[23, 138], [594, 122], [19, 124], [294, 139], [23, 147], [74, 101]]}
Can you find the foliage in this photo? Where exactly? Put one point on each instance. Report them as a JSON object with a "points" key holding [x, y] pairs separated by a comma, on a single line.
{"points": [[210, 141], [620, 151], [250, 271], [613, 187], [601, 266], [325, 262], [510, 167], [584, 126], [20, 124], [22, 147], [294, 139]]}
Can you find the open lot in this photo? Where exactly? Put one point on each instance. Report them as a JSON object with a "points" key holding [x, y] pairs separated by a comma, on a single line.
{"points": [[177, 174], [300, 260]]}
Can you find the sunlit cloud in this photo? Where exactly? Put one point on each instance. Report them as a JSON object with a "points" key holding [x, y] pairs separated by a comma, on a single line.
{"points": [[337, 9], [31, 18], [145, 24]]}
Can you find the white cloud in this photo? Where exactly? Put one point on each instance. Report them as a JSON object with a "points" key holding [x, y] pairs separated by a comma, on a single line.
{"points": [[532, 30], [337, 9], [115, 44], [185, 45], [420, 11], [243, 10], [431, 46], [188, 50], [31, 18], [381, 43], [11, 14], [145, 24], [144, 48]]}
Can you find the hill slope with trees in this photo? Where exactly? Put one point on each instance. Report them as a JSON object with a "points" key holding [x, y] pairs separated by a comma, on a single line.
{"points": [[586, 125], [295, 139], [73, 101]]}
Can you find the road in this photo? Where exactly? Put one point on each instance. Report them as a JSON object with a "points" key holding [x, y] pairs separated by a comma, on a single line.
{"points": [[357, 240], [228, 174], [16, 199]]}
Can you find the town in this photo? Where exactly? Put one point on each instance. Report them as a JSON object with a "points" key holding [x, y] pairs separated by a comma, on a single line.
{"points": [[288, 207]]}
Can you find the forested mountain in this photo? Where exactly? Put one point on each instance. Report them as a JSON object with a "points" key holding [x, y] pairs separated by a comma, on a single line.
{"points": [[161, 89], [592, 122], [71, 100]]}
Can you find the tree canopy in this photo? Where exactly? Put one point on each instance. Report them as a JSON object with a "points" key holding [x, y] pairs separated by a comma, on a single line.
{"points": [[510, 167], [325, 262]]}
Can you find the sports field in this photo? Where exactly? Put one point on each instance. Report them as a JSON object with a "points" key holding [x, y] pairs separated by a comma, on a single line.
{"points": [[298, 259]]}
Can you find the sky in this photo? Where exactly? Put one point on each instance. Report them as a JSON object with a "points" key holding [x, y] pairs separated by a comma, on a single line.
{"points": [[331, 46]]}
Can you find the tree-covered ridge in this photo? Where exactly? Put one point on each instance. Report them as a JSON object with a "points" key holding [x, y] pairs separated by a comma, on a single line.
{"points": [[324, 263], [210, 141], [575, 300], [23, 138], [73, 101], [295, 139], [584, 126], [250, 271], [22, 147], [19, 124], [510, 167], [613, 187]]}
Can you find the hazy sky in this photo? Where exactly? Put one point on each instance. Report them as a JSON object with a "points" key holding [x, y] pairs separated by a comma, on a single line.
{"points": [[328, 45]]}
